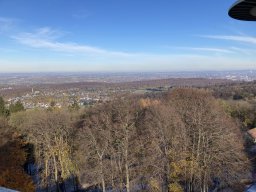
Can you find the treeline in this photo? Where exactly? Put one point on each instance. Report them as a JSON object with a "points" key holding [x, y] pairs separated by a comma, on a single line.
{"points": [[184, 140], [240, 101], [236, 90]]}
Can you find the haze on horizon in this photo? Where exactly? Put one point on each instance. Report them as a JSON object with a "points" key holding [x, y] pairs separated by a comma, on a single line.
{"points": [[127, 35]]}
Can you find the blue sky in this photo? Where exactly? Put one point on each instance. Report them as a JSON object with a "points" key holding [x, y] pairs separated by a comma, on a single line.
{"points": [[123, 35]]}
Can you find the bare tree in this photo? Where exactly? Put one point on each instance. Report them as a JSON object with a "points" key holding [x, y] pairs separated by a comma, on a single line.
{"points": [[215, 143], [124, 116], [51, 134], [165, 135], [96, 134]]}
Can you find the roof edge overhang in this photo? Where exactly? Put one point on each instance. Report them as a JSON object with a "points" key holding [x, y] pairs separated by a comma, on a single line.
{"points": [[243, 10]]}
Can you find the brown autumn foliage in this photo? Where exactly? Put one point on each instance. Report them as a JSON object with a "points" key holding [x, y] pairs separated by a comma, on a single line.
{"points": [[182, 141], [12, 159], [215, 144], [164, 137], [51, 134], [109, 134]]}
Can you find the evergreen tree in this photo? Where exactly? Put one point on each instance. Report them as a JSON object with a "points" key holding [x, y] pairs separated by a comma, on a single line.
{"points": [[3, 111], [18, 106]]}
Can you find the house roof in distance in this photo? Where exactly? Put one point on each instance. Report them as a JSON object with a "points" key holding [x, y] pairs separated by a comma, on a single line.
{"points": [[244, 10]]}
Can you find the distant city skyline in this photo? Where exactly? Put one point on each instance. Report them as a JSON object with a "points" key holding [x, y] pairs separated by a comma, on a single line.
{"points": [[123, 36]]}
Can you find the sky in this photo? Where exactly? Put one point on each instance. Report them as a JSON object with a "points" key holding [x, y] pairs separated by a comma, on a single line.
{"points": [[123, 36]]}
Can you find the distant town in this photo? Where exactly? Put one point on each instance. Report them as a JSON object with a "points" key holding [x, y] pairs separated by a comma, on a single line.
{"points": [[44, 90], [108, 77]]}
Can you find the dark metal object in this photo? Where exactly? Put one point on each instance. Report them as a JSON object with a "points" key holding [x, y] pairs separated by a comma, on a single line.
{"points": [[244, 10]]}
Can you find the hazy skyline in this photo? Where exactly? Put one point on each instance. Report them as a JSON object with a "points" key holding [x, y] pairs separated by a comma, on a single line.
{"points": [[123, 35]]}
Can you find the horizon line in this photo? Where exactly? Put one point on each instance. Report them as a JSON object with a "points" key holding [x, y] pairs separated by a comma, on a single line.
{"points": [[171, 71]]}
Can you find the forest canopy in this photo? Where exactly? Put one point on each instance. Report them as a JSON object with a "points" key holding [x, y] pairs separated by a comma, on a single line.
{"points": [[183, 140]]}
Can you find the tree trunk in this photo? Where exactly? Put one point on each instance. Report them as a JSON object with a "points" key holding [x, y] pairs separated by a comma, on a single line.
{"points": [[56, 174], [127, 176], [46, 174], [112, 173], [126, 163], [102, 175]]}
